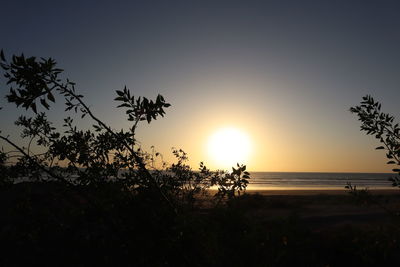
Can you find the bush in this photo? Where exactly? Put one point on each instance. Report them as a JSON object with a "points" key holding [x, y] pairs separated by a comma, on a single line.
{"points": [[100, 155]]}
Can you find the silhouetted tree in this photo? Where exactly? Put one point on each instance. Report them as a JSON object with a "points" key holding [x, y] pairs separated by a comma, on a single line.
{"points": [[382, 127], [102, 154]]}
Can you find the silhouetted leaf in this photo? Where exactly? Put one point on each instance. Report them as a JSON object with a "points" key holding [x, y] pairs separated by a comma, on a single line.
{"points": [[33, 107], [50, 97], [44, 103]]}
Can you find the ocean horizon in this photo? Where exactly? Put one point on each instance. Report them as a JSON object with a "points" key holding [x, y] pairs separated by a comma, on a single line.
{"points": [[307, 180], [318, 180]]}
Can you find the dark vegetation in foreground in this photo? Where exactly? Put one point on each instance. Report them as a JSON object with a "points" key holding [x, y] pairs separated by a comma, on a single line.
{"points": [[53, 224], [95, 197]]}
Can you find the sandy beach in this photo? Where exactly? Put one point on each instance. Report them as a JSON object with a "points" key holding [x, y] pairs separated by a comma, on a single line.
{"points": [[322, 209]]}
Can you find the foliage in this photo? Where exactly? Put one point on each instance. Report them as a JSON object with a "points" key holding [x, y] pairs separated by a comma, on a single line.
{"points": [[4, 170], [382, 126], [89, 226], [362, 196], [233, 183], [99, 155]]}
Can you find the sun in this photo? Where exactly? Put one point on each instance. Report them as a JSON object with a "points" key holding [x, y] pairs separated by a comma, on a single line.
{"points": [[229, 146]]}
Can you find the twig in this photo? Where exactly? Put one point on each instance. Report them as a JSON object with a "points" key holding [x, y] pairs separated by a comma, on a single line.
{"points": [[60, 178]]}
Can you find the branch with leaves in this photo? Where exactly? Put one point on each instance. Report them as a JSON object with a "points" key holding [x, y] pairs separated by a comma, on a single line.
{"points": [[382, 126]]}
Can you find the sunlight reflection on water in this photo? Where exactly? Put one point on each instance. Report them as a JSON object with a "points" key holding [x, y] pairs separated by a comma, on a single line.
{"points": [[315, 180]]}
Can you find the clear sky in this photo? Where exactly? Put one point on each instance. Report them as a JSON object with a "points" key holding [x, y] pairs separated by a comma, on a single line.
{"points": [[284, 73]]}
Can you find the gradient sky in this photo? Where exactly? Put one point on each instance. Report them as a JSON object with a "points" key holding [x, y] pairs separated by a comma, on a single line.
{"points": [[284, 72]]}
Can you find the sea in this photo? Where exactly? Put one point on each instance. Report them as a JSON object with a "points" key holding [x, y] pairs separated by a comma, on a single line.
{"points": [[310, 180], [317, 180]]}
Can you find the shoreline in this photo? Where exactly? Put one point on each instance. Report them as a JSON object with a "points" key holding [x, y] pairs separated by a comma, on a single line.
{"points": [[313, 192], [318, 191]]}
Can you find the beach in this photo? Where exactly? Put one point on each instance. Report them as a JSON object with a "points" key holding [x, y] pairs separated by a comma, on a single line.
{"points": [[330, 206], [323, 208]]}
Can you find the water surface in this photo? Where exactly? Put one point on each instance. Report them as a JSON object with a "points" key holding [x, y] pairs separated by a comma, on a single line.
{"points": [[318, 180]]}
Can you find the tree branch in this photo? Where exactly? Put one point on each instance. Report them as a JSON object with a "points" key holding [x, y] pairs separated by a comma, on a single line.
{"points": [[59, 178], [137, 158]]}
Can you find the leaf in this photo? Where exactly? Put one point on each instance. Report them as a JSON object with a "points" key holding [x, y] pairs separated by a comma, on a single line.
{"points": [[50, 97], [44, 103], [33, 107], [124, 105], [2, 55]]}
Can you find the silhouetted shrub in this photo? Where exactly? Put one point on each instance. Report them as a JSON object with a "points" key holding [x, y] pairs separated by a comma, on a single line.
{"points": [[101, 154], [382, 127]]}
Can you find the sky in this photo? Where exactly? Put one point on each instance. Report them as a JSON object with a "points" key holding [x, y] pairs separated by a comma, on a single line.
{"points": [[284, 73]]}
